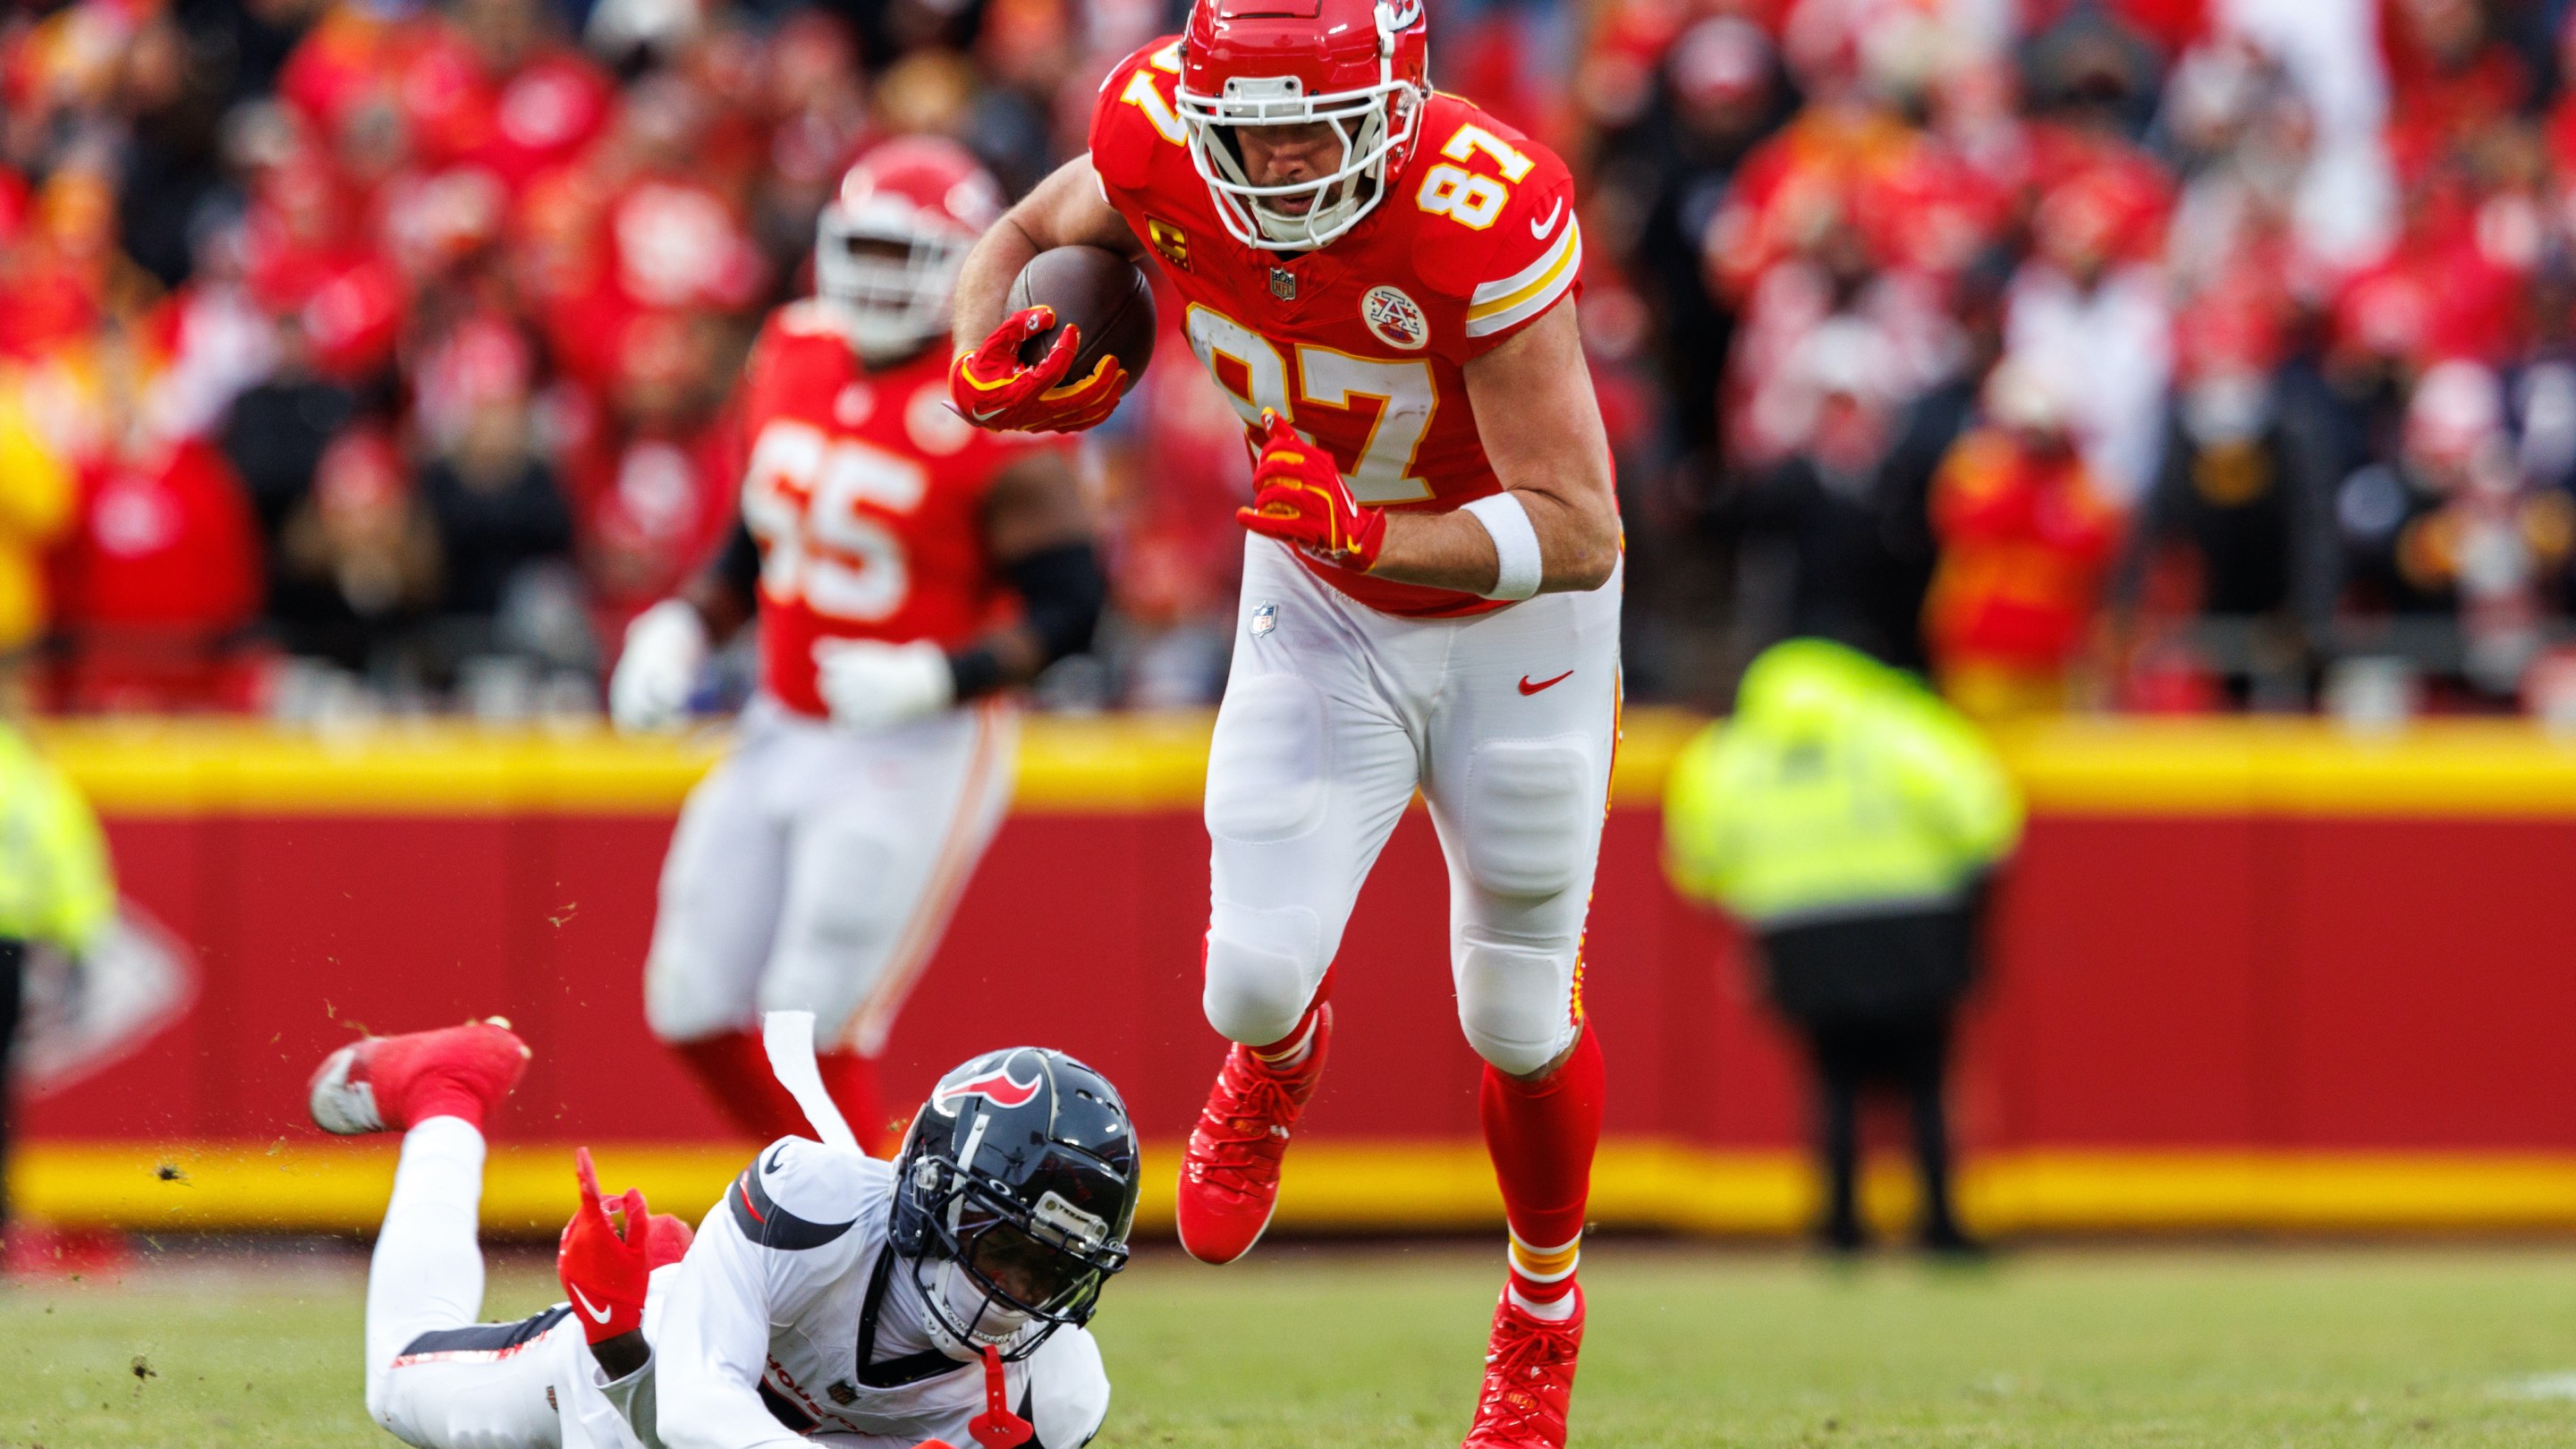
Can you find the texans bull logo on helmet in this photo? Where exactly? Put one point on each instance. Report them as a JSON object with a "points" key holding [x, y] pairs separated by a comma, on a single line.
{"points": [[994, 1084]]}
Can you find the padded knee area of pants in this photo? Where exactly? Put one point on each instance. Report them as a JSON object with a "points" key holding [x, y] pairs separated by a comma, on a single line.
{"points": [[1262, 970], [846, 898], [1516, 1004], [682, 1003], [1526, 816], [1265, 779], [846, 911]]}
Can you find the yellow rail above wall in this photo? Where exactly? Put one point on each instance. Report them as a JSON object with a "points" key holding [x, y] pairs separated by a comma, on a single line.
{"points": [[300, 1185], [1118, 763]]}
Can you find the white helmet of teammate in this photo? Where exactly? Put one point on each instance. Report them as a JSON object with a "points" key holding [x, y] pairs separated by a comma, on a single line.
{"points": [[888, 246]]}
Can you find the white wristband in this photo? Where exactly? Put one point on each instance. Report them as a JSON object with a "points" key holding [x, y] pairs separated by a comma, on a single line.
{"points": [[1507, 523]]}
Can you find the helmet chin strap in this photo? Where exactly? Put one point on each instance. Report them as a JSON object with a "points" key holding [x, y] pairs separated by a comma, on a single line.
{"points": [[997, 1427]]}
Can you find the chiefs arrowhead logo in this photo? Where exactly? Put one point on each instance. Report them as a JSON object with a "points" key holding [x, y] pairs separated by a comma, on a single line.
{"points": [[997, 1086]]}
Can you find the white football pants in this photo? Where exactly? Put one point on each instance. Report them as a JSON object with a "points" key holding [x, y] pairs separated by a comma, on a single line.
{"points": [[1334, 715], [815, 869], [435, 1377]]}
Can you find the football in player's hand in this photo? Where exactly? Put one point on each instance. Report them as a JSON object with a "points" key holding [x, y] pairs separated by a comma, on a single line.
{"points": [[1101, 295]]}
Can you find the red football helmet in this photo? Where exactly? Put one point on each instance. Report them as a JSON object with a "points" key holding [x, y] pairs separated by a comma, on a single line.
{"points": [[887, 248], [1361, 65]]}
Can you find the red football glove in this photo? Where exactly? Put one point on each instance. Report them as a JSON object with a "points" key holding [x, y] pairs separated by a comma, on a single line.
{"points": [[992, 389], [1298, 497], [606, 1262]]}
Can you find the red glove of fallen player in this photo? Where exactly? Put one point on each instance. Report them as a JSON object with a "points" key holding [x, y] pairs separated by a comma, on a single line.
{"points": [[993, 389], [606, 1262], [1298, 497]]}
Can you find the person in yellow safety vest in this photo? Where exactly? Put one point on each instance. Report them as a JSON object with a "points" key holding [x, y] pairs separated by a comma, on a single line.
{"points": [[1851, 820], [55, 887]]}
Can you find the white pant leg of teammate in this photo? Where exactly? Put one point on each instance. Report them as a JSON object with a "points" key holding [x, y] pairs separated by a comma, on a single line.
{"points": [[816, 870], [717, 908], [875, 869]]}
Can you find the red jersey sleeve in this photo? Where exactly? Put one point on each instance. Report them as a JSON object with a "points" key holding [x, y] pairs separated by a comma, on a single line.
{"points": [[1499, 231], [1135, 113], [757, 398]]}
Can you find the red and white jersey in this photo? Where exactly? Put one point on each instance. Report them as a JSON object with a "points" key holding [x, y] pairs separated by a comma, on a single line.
{"points": [[866, 495], [1360, 343]]}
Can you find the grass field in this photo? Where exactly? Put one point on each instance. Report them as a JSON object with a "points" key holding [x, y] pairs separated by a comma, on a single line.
{"points": [[1310, 1346]]}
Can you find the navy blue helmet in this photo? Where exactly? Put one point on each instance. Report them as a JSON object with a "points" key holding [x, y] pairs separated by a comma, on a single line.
{"points": [[1014, 1195]]}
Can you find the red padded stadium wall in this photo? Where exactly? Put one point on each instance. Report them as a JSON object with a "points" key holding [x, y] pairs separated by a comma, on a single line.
{"points": [[2157, 982], [2187, 970]]}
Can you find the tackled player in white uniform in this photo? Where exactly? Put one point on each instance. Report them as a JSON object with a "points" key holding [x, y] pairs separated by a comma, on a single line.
{"points": [[829, 1298]]}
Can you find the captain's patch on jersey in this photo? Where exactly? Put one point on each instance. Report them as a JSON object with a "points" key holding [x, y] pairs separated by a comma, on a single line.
{"points": [[1172, 242], [1395, 318]]}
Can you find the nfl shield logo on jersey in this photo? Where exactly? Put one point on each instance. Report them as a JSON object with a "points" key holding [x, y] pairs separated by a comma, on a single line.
{"points": [[1396, 318], [1283, 284], [1265, 617]]}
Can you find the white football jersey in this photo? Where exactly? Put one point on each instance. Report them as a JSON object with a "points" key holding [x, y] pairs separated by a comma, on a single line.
{"points": [[792, 1321]]}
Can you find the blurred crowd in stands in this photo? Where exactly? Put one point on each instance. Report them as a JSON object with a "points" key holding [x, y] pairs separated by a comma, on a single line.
{"points": [[2145, 354], [2153, 355], [376, 354]]}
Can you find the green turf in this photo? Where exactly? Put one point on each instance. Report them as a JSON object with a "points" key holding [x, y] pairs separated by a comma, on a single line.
{"points": [[1336, 1347]]}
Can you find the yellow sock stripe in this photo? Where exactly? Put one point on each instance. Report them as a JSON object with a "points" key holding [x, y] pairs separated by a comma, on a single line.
{"points": [[1545, 1265]]}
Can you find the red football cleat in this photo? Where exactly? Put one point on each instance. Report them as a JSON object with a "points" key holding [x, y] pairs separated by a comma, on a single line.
{"points": [[387, 1083], [1529, 1376], [1230, 1176]]}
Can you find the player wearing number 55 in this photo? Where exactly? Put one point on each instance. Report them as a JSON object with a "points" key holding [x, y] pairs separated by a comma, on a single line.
{"points": [[907, 570], [1382, 278]]}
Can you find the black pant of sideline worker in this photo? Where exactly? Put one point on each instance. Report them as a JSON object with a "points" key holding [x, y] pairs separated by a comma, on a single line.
{"points": [[1874, 997]]}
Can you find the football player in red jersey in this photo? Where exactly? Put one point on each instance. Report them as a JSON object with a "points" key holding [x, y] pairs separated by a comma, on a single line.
{"points": [[907, 571], [1382, 278]]}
